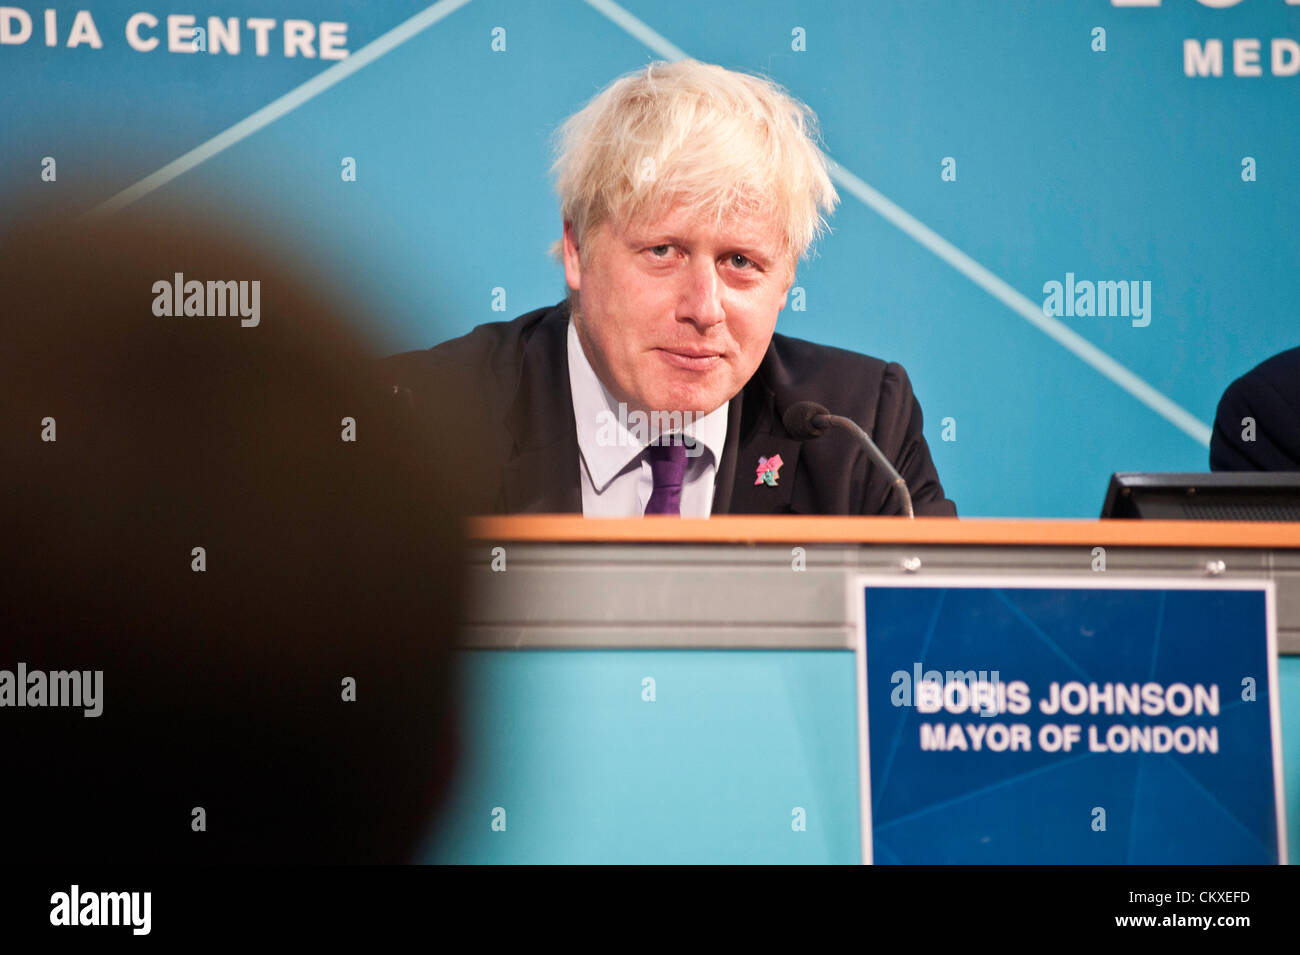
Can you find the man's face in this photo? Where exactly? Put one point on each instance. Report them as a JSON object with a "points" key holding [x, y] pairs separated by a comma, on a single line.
{"points": [[673, 314]]}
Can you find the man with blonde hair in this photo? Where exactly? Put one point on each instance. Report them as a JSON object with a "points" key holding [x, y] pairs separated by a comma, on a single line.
{"points": [[688, 192]]}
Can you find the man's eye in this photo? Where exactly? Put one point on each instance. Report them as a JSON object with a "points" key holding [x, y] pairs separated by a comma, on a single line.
{"points": [[656, 248], [737, 255]]}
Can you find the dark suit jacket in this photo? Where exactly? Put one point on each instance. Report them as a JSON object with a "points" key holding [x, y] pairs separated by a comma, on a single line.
{"points": [[499, 401], [1269, 393]]}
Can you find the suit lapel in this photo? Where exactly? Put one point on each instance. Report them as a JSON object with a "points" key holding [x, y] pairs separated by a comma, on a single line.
{"points": [[543, 477], [762, 498], [754, 431], [724, 478]]}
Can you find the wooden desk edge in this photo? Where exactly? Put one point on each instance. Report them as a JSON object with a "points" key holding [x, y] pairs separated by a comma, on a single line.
{"points": [[739, 528]]}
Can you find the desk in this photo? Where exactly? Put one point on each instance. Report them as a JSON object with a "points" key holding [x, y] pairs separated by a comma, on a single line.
{"points": [[753, 670]]}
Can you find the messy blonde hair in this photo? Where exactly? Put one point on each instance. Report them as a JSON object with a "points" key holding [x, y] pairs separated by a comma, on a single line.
{"points": [[722, 142]]}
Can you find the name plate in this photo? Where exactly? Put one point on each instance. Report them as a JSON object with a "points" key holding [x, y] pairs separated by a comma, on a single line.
{"points": [[1122, 720]]}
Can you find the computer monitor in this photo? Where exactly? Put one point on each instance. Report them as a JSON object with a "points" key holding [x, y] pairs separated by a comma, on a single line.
{"points": [[1222, 496]]}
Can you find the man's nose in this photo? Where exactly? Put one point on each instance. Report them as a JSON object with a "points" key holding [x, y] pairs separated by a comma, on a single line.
{"points": [[701, 294]]}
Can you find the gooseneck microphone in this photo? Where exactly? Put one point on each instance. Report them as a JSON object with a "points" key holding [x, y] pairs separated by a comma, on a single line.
{"points": [[807, 419]]}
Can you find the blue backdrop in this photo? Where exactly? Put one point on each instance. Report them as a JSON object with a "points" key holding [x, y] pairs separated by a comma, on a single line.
{"points": [[1074, 151]]}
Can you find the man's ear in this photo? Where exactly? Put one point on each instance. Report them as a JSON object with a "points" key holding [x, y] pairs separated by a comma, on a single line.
{"points": [[572, 260]]}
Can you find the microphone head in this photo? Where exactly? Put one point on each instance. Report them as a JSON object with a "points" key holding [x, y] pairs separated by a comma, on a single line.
{"points": [[800, 420]]}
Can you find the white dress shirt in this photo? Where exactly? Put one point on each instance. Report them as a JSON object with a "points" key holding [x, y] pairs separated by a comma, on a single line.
{"points": [[616, 479]]}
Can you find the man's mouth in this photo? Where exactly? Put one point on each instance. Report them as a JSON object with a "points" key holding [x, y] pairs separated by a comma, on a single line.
{"points": [[692, 359]]}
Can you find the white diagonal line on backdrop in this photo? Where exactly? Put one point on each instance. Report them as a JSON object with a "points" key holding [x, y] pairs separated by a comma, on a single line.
{"points": [[290, 101], [1063, 335]]}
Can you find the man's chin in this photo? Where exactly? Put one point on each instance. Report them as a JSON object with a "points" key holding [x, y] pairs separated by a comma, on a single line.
{"points": [[695, 403]]}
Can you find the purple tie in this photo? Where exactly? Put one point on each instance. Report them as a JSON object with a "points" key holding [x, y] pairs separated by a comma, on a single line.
{"points": [[667, 468]]}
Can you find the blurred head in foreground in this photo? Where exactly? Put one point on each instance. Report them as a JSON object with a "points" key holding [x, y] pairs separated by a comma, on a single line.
{"points": [[216, 538]]}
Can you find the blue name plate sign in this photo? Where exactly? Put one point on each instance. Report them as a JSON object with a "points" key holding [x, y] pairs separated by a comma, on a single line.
{"points": [[1060, 720]]}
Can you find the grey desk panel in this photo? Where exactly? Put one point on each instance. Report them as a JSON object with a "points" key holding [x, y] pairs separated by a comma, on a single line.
{"points": [[752, 596], [1288, 611], [658, 637], [672, 594], [874, 556], [1287, 559], [709, 555], [1056, 560]]}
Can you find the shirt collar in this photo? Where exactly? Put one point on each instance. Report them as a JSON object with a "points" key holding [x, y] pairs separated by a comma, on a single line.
{"points": [[596, 414]]}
